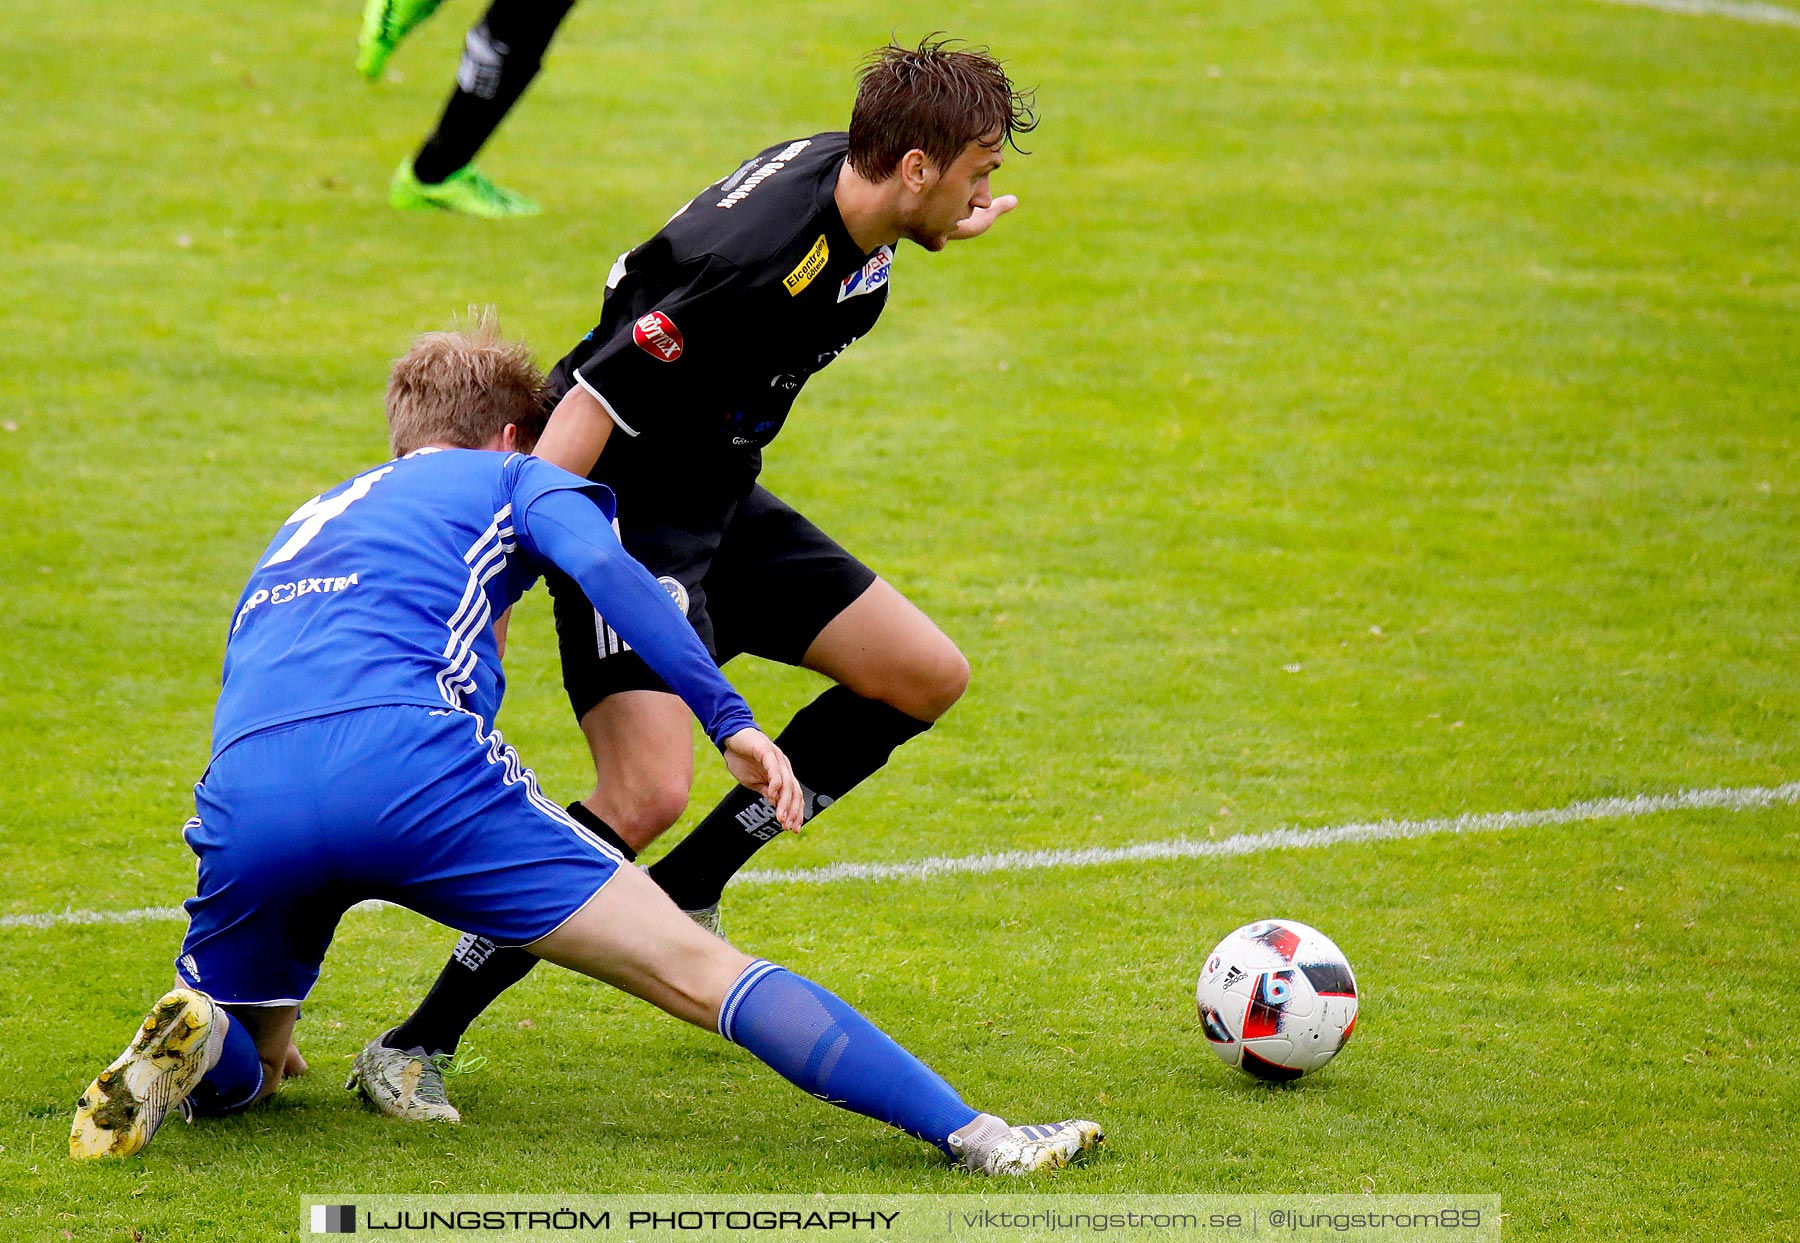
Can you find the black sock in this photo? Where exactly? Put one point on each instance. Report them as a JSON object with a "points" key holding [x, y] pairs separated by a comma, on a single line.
{"points": [[834, 742], [477, 973], [500, 58], [600, 829]]}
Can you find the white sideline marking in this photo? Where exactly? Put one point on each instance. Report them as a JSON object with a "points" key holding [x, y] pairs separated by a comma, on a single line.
{"points": [[1740, 10], [141, 915], [1732, 799], [1726, 798], [57, 919]]}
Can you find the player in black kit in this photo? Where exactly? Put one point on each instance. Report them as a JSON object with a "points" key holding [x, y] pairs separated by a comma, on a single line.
{"points": [[707, 334]]}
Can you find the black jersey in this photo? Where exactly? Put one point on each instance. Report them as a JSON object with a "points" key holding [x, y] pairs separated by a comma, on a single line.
{"points": [[710, 328]]}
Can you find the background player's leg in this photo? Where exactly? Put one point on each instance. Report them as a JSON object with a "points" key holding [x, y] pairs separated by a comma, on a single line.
{"points": [[644, 757], [501, 56], [631, 936], [896, 674]]}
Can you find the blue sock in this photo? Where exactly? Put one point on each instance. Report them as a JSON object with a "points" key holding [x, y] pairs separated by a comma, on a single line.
{"points": [[817, 1041], [232, 1084]]}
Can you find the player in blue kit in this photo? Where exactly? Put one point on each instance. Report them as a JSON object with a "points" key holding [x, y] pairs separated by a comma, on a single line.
{"points": [[354, 757]]}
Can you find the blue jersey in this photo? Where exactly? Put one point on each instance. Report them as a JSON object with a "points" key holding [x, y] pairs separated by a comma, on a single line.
{"points": [[384, 591]]}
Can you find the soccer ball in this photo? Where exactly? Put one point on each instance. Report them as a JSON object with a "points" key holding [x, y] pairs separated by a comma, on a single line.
{"points": [[1277, 999]]}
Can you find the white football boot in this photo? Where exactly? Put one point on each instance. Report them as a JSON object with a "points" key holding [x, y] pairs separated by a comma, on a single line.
{"points": [[179, 1042], [988, 1146], [402, 1083]]}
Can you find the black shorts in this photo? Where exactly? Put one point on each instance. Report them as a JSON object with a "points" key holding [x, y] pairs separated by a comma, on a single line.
{"points": [[766, 583]]}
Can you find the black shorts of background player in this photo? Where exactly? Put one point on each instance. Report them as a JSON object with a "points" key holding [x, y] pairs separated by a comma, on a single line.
{"points": [[709, 330]]}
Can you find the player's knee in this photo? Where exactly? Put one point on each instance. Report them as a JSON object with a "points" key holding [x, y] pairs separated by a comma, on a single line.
{"points": [[643, 812], [934, 683], [953, 680]]}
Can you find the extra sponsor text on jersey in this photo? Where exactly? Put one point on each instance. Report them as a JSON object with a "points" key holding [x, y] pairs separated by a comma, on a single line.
{"points": [[284, 593]]}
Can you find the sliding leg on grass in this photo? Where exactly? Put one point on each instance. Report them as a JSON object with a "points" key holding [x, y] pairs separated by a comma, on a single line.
{"points": [[632, 936]]}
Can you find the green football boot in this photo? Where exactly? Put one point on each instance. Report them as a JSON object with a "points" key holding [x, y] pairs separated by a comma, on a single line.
{"points": [[465, 190], [385, 23]]}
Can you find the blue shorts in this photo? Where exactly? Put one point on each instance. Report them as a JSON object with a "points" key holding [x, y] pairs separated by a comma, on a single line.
{"points": [[411, 805]]}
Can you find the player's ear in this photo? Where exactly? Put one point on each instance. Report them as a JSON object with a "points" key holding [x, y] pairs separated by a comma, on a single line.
{"points": [[510, 436], [916, 172]]}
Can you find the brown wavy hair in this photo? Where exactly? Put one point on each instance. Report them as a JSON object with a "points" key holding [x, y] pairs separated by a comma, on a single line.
{"points": [[938, 97]]}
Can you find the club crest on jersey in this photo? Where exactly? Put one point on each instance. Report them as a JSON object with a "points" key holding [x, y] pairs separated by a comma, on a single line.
{"points": [[807, 268], [870, 276], [676, 591], [657, 335]]}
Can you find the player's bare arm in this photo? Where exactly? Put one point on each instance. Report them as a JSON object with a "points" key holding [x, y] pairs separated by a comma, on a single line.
{"points": [[578, 430]]}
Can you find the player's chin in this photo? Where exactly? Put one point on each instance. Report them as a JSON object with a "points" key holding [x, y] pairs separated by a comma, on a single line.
{"points": [[930, 239]]}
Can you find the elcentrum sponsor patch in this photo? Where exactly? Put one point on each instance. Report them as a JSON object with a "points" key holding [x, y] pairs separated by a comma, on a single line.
{"points": [[807, 268]]}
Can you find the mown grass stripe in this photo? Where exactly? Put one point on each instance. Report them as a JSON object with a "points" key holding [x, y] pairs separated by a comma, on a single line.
{"points": [[1737, 10], [1738, 798]]}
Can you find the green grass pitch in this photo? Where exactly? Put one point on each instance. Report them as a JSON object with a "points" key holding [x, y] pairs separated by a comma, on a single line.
{"points": [[1376, 407]]}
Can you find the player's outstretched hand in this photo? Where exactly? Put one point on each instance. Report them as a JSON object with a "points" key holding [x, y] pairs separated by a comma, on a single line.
{"points": [[982, 218], [758, 763]]}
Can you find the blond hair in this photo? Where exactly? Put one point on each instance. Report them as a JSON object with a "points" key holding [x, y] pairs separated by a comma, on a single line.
{"points": [[463, 386]]}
